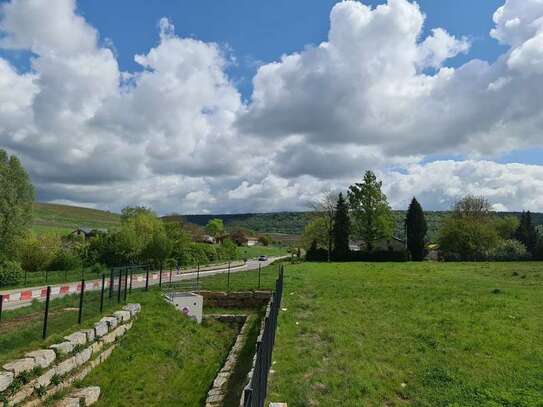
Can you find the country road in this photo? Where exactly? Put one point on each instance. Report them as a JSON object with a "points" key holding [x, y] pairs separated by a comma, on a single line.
{"points": [[21, 297]]}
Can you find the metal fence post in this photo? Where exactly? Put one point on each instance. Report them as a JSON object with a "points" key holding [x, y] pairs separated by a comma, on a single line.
{"points": [[259, 269], [120, 286], [80, 316], [160, 276], [46, 276], [102, 293], [131, 278], [111, 282], [1, 305], [147, 279], [125, 284], [198, 277], [228, 283], [171, 270], [46, 315]]}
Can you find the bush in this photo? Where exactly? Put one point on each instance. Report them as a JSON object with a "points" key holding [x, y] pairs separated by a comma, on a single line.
{"points": [[10, 273], [509, 250], [66, 259], [37, 253]]}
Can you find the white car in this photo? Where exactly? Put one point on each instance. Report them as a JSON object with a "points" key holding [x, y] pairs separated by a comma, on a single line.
{"points": [[263, 258]]}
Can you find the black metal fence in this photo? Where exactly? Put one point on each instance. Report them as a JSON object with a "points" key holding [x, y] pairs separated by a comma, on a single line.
{"points": [[254, 394]]}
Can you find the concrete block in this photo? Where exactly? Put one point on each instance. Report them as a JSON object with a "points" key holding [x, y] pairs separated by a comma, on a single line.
{"points": [[122, 316], [79, 338], [43, 358], [6, 378], [111, 321], [63, 348], [91, 335], [88, 395], [45, 379], [68, 402], [109, 338], [83, 356], [65, 367], [23, 393], [132, 308], [97, 347], [100, 329], [20, 365]]}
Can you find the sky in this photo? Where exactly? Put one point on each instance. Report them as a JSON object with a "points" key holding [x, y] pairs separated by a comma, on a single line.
{"points": [[234, 106]]}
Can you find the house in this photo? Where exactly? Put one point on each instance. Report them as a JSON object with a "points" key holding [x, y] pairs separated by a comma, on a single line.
{"points": [[208, 239], [86, 232], [393, 244], [252, 241], [432, 252]]}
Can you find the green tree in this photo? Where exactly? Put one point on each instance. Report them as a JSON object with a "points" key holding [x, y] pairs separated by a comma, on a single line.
{"points": [[372, 217], [342, 229], [315, 231], [16, 198], [158, 248], [470, 232], [215, 228], [526, 232], [416, 229], [507, 227]]}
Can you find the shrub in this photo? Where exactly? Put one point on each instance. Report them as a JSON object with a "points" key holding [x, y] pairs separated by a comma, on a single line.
{"points": [[509, 250], [37, 253], [65, 259], [10, 273]]}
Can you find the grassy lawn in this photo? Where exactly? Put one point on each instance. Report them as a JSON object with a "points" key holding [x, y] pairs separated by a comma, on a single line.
{"points": [[165, 360], [255, 251], [410, 334]]}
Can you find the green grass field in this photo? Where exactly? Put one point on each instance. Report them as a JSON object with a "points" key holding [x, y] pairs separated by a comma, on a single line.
{"points": [[255, 251], [410, 335], [63, 219]]}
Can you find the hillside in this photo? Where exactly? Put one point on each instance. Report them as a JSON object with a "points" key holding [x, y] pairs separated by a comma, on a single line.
{"points": [[54, 218], [293, 223]]}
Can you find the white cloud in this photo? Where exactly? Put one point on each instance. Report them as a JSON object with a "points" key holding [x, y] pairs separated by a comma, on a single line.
{"points": [[439, 184], [177, 136]]}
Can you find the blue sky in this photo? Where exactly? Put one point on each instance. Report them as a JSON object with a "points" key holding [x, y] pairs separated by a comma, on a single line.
{"points": [[107, 105], [262, 31]]}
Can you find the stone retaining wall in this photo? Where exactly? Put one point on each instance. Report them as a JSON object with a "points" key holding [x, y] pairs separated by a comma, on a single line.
{"points": [[215, 396], [43, 373], [246, 299]]}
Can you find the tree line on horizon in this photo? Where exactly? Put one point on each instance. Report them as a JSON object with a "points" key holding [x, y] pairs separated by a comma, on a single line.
{"points": [[471, 231]]}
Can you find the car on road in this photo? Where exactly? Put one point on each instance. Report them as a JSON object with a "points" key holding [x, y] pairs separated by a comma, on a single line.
{"points": [[263, 258]]}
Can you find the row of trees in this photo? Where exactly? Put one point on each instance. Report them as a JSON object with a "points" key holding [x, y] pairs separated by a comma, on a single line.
{"points": [[141, 238], [471, 232]]}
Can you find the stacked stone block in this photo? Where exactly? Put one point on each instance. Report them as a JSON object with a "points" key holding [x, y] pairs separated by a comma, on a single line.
{"points": [[44, 372]]}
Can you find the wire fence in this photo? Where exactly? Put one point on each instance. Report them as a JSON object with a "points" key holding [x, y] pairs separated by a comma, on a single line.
{"points": [[254, 394], [81, 303]]}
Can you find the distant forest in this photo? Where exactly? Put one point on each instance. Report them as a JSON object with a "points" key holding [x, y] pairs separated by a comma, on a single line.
{"points": [[294, 222]]}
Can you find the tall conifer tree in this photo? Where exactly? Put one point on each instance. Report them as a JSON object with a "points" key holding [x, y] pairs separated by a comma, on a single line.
{"points": [[342, 230], [416, 228]]}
